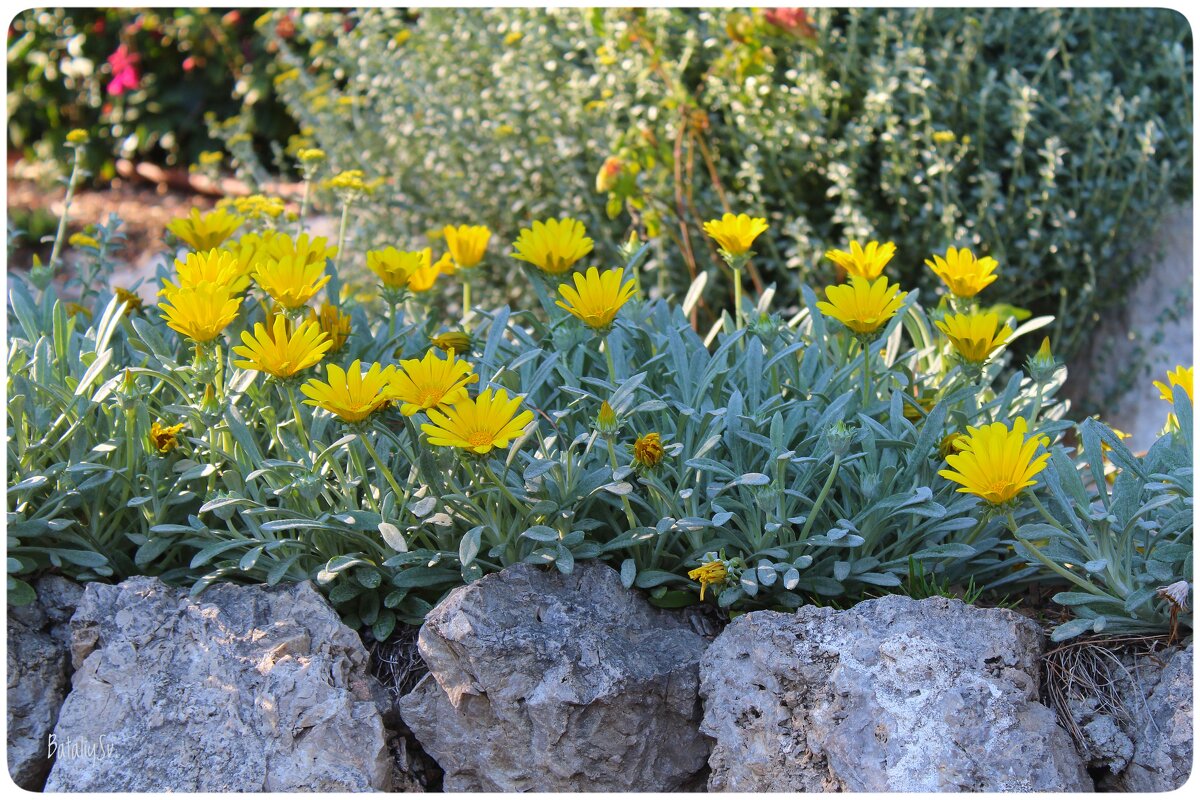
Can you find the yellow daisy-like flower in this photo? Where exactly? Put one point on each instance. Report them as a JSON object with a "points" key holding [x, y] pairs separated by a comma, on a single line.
{"points": [[350, 395], [994, 462], [309, 249], [164, 437], [458, 341], [282, 353], [78, 137], [291, 281], [1180, 376], [83, 240], [965, 275], [596, 297], [976, 335], [467, 243], [489, 421], [714, 573], [249, 249], [648, 451], [553, 246], [215, 267], [395, 267], [205, 231], [865, 262], [862, 305], [200, 313], [735, 234], [423, 278], [431, 382], [334, 323]]}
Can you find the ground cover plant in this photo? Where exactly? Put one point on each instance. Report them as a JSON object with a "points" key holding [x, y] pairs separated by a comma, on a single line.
{"points": [[295, 409]]}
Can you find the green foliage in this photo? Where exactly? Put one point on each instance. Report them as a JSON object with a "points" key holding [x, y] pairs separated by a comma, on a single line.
{"points": [[1057, 151]]}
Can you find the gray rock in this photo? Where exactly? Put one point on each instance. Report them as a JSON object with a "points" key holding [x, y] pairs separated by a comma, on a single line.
{"points": [[1162, 737], [38, 677], [242, 688], [893, 695], [547, 682]]}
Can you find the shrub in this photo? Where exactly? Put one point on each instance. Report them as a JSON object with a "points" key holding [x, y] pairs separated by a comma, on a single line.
{"points": [[1026, 131]]}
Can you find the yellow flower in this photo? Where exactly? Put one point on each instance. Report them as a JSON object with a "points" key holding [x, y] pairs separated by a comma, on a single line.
{"points": [[163, 437], [943, 137], [311, 155], [255, 206], [865, 263], [279, 353], [648, 451], [309, 250], [714, 573], [395, 267], [216, 267], [458, 341], [976, 335], [205, 231], [553, 246], [1181, 377], [78, 137], [349, 184], [210, 158], [200, 313], [467, 243], [994, 462], [862, 305], [950, 444], [83, 240], [607, 421], [249, 249], [596, 297], [609, 173], [132, 300], [490, 420], [965, 275], [735, 235], [291, 281], [350, 395], [334, 323], [431, 382], [423, 278], [512, 37], [74, 308]]}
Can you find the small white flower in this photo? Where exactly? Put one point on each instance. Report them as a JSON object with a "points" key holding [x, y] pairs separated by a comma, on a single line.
{"points": [[1176, 594]]}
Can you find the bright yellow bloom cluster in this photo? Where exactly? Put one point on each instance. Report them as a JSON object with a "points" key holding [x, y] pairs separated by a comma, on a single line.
{"points": [[965, 275], [200, 313], [310, 250], [596, 297], [865, 262], [397, 267], [467, 244], [255, 206], [489, 421], [735, 234], [553, 246], [78, 137], [350, 394], [291, 281], [213, 267], [976, 335], [713, 573], [281, 352], [862, 305], [205, 231], [431, 382], [995, 462], [311, 155]]}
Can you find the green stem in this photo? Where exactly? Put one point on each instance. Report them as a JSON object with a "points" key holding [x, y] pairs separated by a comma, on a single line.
{"points": [[304, 208], [62, 220], [342, 235], [301, 433], [387, 473], [737, 296], [362, 471], [612, 369], [1087, 586], [812, 514], [866, 348], [466, 302], [612, 460]]}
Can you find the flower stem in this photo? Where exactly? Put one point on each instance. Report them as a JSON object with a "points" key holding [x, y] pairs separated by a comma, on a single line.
{"points": [[304, 208], [612, 369], [612, 460], [737, 296], [812, 514], [466, 303], [62, 220], [866, 348], [387, 473], [300, 432], [342, 234]]}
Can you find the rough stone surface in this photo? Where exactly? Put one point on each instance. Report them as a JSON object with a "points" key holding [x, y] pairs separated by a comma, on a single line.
{"points": [[38, 676], [892, 695], [547, 682], [242, 688], [1162, 736]]}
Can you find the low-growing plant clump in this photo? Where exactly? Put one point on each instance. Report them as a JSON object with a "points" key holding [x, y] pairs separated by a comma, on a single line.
{"points": [[292, 409]]}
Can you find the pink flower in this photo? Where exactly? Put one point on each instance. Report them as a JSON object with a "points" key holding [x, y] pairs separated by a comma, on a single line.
{"points": [[124, 71], [189, 63], [792, 20]]}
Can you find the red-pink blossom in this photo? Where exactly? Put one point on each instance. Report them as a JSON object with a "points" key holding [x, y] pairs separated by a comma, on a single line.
{"points": [[124, 71], [793, 20]]}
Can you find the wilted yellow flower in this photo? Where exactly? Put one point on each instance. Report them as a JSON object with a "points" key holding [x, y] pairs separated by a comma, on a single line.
{"points": [[864, 262], [458, 341], [965, 275], [72, 308], [431, 382], [291, 281], [205, 231], [78, 137], [609, 172], [553, 246], [280, 352], [164, 437], [489, 421], [950, 444], [712, 573], [83, 240], [976, 335], [334, 323], [215, 267], [350, 395], [395, 267], [994, 462], [1180, 376], [596, 297], [132, 300], [200, 313], [467, 244], [735, 234], [862, 305], [648, 451]]}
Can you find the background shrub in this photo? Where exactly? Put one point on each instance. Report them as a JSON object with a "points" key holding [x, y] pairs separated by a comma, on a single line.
{"points": [[1029, 134]]}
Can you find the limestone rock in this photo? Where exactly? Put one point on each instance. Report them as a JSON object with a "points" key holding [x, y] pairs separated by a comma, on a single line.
{"points": [[243, 688], [1162, 737], [38, 676], [541, 681], [893, 695]]}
